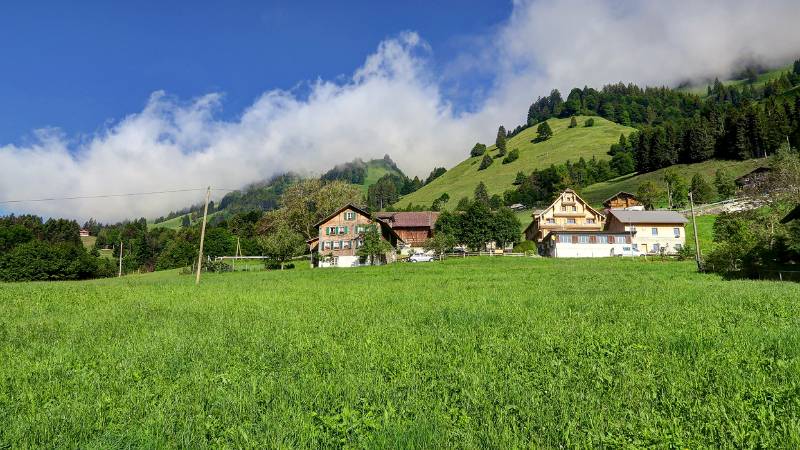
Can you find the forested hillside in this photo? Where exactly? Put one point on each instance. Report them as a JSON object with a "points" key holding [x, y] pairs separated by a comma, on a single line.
{"points": [[658, 127]]}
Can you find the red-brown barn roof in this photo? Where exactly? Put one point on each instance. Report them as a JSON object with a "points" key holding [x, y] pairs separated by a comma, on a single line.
{"points": [[410, 219]]}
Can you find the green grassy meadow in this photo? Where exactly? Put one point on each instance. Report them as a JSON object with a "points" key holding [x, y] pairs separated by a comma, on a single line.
{"points": [[566, 143], [477, 352]]}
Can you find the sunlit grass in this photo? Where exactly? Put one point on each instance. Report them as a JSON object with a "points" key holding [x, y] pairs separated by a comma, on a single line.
{"points": [[477, 352]]}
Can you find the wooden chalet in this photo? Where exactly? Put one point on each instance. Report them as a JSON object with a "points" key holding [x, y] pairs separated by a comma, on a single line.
{"points": [[413, 227], [569, 212], [341, 235]]}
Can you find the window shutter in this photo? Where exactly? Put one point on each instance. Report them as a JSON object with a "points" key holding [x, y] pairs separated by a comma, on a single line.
{"points": [[592, 239], [627, 239], [611, 239], [574, 239]]}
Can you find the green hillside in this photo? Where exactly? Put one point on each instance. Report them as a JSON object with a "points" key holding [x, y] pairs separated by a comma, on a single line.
{"points": [[566, 143], [762, 79], [596, 193], [175, 222], [377, 168]]}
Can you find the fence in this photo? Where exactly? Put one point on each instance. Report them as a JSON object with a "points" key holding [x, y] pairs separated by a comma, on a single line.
{"points": [[492, 254], [780, 275]]}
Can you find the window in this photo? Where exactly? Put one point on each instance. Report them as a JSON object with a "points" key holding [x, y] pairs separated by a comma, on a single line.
{"points": [[636, 247], [349, 215], [563, 238], [336, 244], [564, 208], [584, 239], [346, 244], [654, 231], [570, 221], [574, 208], [678, 247], [656, 248], [360, 229], [602, 239], [590, 221], [677, 232], [551, 220]]}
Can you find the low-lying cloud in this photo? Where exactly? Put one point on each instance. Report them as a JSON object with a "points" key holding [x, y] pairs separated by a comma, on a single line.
{"points": [[394, 103]]}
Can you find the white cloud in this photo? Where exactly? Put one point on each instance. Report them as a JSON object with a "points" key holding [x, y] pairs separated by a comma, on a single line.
{"points": [[394, 103]]}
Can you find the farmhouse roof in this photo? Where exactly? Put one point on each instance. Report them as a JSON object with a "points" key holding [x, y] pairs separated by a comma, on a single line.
{"points": [[338, 211], [410, 219], [619, 194], [633, 216]]}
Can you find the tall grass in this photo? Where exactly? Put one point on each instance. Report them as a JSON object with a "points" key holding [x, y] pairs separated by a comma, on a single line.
{"points": [[484, 352]]}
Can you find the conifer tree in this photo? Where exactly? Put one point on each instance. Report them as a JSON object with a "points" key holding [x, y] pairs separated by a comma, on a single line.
{"points": [[500, 142]]}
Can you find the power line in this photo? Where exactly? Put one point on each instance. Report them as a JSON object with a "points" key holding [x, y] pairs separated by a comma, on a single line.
{"points": [[84, 197]]}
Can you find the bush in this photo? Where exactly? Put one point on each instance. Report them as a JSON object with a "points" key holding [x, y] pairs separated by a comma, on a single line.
{"points": [[271, 264], [478, 150], [573, 122], [217, 266], [513, 155], [525, 247], [486, 162], [685, 253], [589, 122]]}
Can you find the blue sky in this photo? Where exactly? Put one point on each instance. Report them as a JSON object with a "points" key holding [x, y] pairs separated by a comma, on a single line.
{"points": [[75, 65], [121, 97]]}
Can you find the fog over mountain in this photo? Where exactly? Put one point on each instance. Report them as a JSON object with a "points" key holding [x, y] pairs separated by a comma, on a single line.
{"points": [[394, 103]]}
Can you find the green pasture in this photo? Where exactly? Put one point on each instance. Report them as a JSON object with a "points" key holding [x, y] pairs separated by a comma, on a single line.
{"points": [[487, 352]]}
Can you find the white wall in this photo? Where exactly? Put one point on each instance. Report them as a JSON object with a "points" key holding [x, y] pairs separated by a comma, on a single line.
{"points": [[570, 250]]}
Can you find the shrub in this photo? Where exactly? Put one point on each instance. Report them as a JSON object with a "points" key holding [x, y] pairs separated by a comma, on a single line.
{"points": [[573, 122], [512, 156], [589, 122], [525, 247], [478, 150], [486, 162]]}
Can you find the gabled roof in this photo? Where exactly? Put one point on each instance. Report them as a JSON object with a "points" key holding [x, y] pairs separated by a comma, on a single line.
{"points": [[619, 194], [339, 211], [588, 206], [410, 219], [633, 216], [793, 215]]}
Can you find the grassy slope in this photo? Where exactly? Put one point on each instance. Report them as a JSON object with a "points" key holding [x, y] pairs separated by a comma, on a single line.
{"points": [[498, 352], [460, 181], [375, 170], [175, 222], [596, 193], [762, 79]]}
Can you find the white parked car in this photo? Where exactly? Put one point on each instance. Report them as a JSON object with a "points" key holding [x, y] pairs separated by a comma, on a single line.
{"points": [[629, 251], [420, 257]]}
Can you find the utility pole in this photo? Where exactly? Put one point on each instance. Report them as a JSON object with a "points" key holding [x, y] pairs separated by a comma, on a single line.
{"points": [[120, 260], [202, 237], [236, 255], [696, 240]]}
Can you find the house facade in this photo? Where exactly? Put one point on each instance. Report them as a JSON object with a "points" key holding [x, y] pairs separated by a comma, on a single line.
{"points": [[341, 235], [569, 212], [413, 227], [586, 244], [653, 232]]}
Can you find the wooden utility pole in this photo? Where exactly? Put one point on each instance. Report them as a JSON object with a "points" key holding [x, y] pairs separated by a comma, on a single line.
{"points": [[120, 260], [202, 236], [237, 254], [697, 254]]}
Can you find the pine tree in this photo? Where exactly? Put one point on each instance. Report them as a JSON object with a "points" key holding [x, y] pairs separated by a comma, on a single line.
{"points": [[500, 142], [702, 191], [481, 193], [725, 184], [486, 162]]}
